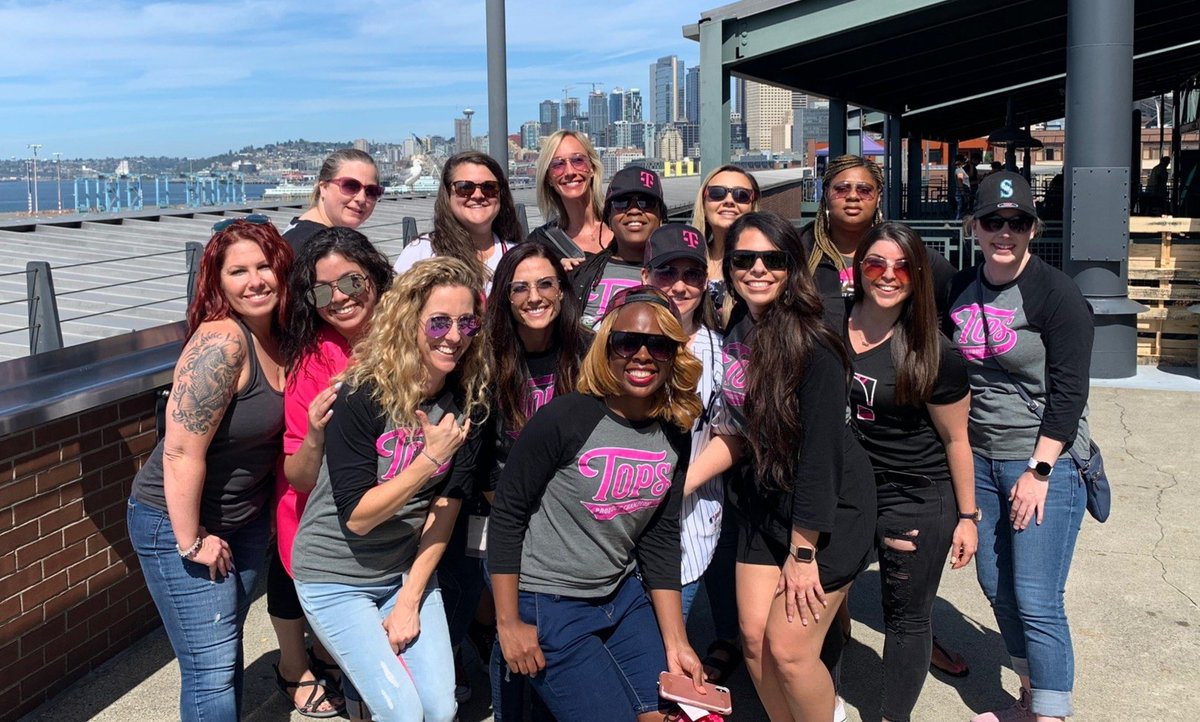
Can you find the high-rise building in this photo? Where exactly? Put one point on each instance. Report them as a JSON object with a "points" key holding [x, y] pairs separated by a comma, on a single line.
{"points": [[621, 134], [691, 95], [690, 133], [667, 88], [641, 135], [766, 107], [670, 144], [616, 105], [362, 144], [548, 116], [570, 114], [737, 132], [531, 131], [633, 106], [462, 131], [598, 118]]}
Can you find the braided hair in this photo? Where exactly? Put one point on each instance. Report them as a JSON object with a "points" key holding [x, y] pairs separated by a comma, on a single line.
{"points": [[823, 246]]}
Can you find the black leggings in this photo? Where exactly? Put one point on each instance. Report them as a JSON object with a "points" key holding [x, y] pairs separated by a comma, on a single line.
{"points": [[909, 582], [282, 602]]}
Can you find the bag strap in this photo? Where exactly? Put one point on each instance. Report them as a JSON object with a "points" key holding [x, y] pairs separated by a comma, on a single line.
{"points": [[1030, 403]]}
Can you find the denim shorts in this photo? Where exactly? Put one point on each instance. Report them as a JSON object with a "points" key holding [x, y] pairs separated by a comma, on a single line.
{"points": [[597, 649]]}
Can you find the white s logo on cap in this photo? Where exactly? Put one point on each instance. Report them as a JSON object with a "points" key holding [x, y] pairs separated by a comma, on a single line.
{"points": [[1006, 189]]}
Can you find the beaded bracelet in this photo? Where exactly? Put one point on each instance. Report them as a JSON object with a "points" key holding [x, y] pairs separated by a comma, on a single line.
{"points": [[191, 552]]}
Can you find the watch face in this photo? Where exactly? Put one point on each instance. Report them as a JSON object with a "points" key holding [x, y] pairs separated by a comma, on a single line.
{"points": [[803, 554], [1043, 469]]}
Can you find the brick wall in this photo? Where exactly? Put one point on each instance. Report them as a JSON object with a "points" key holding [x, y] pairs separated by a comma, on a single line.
{"points": [[785, 202], [71, 591]]}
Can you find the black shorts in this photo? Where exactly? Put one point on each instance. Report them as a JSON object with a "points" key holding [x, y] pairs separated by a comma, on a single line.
{"points": [[841, 556]]}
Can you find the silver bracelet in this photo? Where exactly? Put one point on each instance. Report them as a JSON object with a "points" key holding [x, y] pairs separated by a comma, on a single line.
{"points": [[191, 552], [429, 456]]}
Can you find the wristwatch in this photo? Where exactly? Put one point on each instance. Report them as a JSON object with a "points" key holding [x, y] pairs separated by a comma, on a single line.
{"points": [[975, 516], [1040, 468], [802, 554]]}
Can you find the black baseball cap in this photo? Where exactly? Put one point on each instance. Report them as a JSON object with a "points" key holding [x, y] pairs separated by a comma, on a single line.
{"points": [[1004, 189], [675, 240], [634, 180]]}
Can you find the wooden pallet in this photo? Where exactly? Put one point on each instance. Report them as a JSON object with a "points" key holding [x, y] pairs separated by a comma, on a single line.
{"points": [[1164, 274]]}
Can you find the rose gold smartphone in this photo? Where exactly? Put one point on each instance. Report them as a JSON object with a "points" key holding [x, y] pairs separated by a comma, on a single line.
{"points": [[679, 688]]}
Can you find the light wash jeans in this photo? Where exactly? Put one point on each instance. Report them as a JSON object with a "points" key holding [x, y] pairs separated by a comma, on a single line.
{"points": [[1024, 574], [203, 618], [417, 684]]}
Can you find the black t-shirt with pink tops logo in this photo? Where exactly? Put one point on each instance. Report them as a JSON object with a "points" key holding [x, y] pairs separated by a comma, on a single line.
{"points": [[539, 391]]}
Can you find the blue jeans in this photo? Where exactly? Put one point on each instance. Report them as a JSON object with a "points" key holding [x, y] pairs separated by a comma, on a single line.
{"points": [[1023, 574], [348, 619], [511, 692], [203, 618], [603, 656]]}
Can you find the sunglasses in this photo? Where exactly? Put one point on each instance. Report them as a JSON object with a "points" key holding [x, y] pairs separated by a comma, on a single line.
{"points": [[716, 194], [351, 187], [466, 188], [351, 284], [668, 275], [646, 203], [771, 260], [626, 344], [996, 222], [865, 191], [467, 324], [520, 290], [873, 267], [578, 161], [254, 219]]}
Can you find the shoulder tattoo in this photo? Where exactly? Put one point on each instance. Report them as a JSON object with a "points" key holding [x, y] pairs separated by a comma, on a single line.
{"points": [[206, 380]]}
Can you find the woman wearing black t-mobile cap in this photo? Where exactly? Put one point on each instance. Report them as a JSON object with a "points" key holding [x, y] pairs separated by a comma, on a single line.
{"points": [[909, 399]]}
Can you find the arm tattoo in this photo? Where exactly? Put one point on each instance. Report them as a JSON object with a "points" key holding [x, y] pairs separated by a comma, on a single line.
{"points": [[207, 379]]}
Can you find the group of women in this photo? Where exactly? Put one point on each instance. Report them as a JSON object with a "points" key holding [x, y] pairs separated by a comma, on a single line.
{"points": [[610, 412]]}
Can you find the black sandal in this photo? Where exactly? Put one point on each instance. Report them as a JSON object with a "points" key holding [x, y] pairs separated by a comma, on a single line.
{"points": [[313, 703], [725, 665], [324, 671], [960, 668]]}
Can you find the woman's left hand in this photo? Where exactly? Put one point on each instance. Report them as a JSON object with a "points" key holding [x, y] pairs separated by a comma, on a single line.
{"points": [[1027, 500], [403, 624], [964, 544], [682, 659], [800, 584]]}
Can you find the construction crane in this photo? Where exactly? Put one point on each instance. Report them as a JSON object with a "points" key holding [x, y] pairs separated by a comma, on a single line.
{"points": [[594, 85], [566, 92]]}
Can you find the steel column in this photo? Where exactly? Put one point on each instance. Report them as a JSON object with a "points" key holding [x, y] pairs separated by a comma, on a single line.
{"points": [[837, 127], [914, 177], [895, 171], [497, 64], [714, 97]]}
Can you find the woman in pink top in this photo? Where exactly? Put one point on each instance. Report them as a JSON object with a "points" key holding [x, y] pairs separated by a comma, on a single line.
{"points": [[337, 280]]}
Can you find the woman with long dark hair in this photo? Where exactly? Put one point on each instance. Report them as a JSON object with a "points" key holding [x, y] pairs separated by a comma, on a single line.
{"points": [[909, 400], [337, 280], [344, 195], [474, 217], [592, 491], [196, 515]]}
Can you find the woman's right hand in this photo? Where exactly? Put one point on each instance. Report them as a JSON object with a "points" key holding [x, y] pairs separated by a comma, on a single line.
{"points": [[320, 410], [519, 644], [800, 584], [215, 554], [443, 438], [570, 264]]}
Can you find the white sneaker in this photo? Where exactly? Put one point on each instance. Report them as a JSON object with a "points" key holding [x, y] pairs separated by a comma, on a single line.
{"points": [[839, 711]]}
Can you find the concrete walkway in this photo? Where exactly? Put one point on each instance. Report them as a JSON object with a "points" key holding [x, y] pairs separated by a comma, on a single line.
{"points": [[1132, 598]]}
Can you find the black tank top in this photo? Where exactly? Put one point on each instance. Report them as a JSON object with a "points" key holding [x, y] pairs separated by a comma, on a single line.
{"points": [[241, 459]]}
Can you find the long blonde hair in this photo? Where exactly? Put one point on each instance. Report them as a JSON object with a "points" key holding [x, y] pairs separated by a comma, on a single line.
{"points": [[676, 402], [823, 240], [388, 357], [699, 217], [549, 202]]}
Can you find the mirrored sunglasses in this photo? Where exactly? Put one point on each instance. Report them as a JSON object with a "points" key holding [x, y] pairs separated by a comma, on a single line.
{"points": [[351, 284], [578, 161], [873, 268], [438, 326], [519, 290]]}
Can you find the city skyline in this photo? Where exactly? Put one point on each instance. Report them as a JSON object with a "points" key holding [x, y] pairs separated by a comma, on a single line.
{"points": [[172, 79]]}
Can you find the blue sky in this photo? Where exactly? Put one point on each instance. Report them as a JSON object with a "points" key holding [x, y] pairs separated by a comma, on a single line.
{"points": [[120, 78]]}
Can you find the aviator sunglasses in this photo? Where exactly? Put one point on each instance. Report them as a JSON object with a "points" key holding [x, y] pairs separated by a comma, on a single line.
{"points": [[772, 260], [626, 344], [995, 223], [546, 287], [254, 219], [578, 161], [351, 187], [438, 326], [351, 284], [716, 194], [873, 268], [865, 191], [466, 188]]}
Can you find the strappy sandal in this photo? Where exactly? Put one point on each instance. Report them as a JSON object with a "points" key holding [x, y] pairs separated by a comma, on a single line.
{"points": [[325, 671], [316, 697], [724, 665], [959, 669]]}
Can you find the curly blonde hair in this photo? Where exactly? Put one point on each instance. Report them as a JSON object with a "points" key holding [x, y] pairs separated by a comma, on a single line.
{"points": [[388, 357], [676, 402]]}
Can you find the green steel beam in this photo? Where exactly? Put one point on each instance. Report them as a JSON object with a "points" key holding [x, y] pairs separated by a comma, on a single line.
{"points": [[714, 96]]}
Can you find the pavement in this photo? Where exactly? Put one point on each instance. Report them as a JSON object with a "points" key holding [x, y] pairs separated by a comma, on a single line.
{"points": [[1132, 599]]}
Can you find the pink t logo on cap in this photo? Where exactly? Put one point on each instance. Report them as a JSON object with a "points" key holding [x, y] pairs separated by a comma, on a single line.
{"points": [[647, 178], [690, 238]]}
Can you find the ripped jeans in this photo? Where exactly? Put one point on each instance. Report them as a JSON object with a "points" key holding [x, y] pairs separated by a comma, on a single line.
{"points": [[918, 516]]}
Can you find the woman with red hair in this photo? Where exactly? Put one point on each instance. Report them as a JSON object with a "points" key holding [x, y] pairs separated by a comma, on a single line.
{"points": [[196, 515]]}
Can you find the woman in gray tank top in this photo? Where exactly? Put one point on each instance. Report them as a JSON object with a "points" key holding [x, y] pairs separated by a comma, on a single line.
{"points": [[196, 513]]}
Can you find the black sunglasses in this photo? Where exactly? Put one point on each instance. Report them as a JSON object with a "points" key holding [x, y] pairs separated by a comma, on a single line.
{"points": [[626, 344], [646, 203], [254, 219], [996, 222], [466, 188], [741, 195], [668, 275], [772, 260], [351, 284]]}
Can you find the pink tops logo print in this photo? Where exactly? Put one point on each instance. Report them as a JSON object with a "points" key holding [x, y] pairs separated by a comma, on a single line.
{"points": [[605, 289], [402, 446], [624, 475], [736, 356], [973, 343]]}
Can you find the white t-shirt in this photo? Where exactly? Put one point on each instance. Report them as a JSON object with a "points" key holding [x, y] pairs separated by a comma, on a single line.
{"points": [[701, 511], [422, 248]]}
